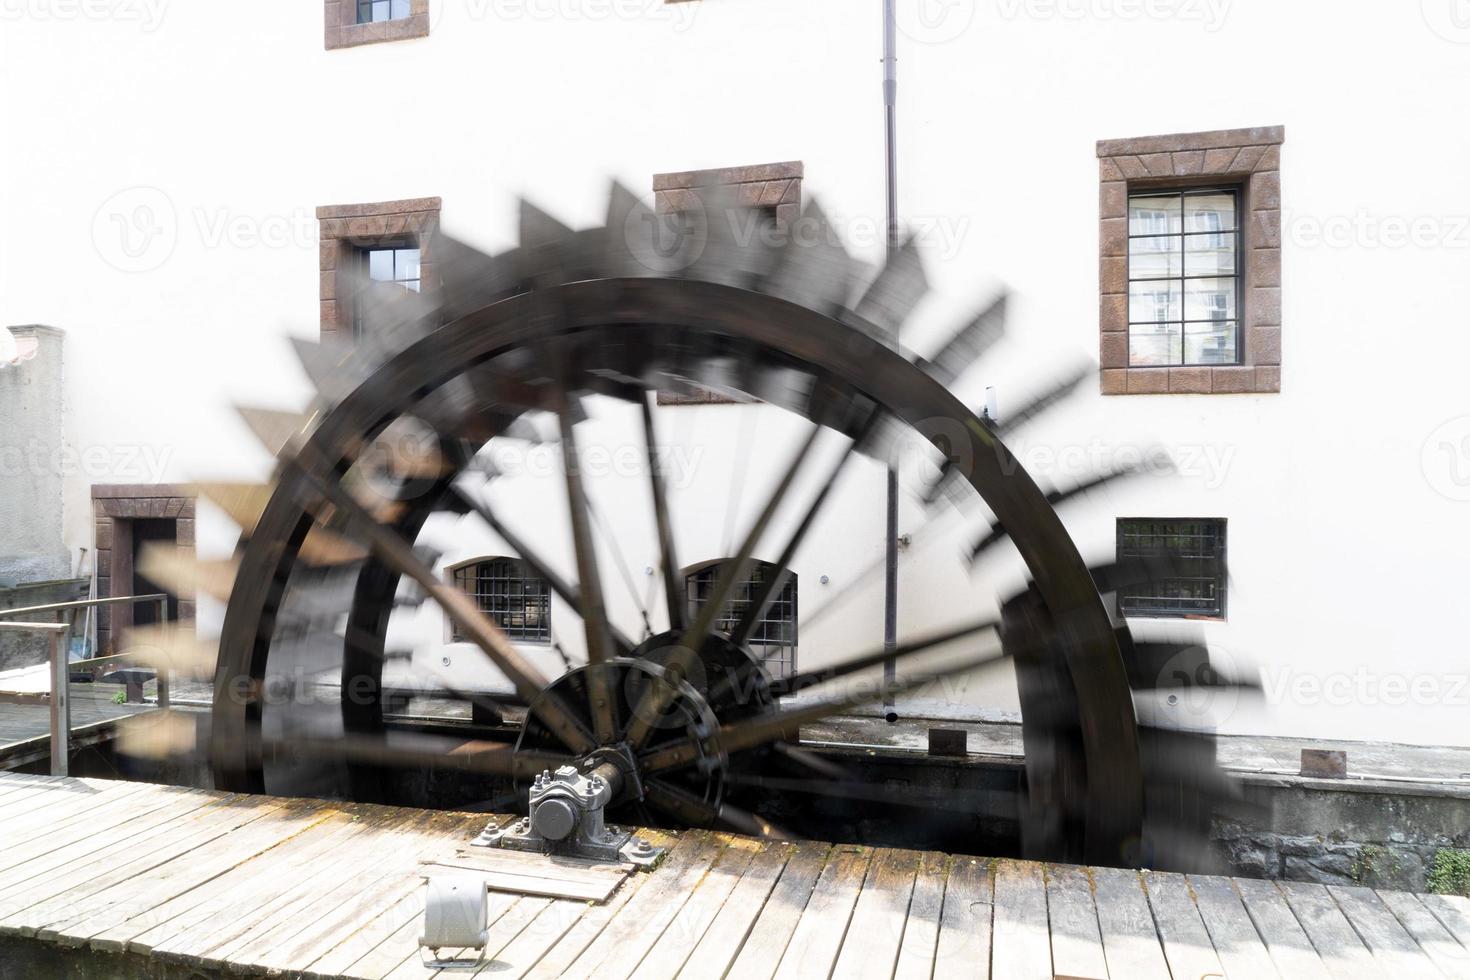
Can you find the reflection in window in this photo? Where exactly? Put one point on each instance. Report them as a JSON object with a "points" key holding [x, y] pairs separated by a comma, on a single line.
{"points": [[398, 265], [507, 591], [376, 11], [1183, 278], [774, 638]]}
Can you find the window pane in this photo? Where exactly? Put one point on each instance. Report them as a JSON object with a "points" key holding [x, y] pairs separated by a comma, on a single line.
{"points": [[1209, 299], [1197, 551], [380, 265], [1151, 258], [1153, 215], [406, 264], [1209, 212], [1151, 345], [381, 9], [400, 9], [1210, 343], [1209, 255], [1154, 302]]}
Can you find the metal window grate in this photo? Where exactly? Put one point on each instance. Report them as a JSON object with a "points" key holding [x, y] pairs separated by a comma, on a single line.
{"points": [[377, 11], [1196, 546], [774, 636], [1184, 277], [508, 592]]}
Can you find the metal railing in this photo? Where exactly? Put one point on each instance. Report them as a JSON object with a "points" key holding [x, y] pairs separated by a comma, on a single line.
{"points": [[61, 666]]}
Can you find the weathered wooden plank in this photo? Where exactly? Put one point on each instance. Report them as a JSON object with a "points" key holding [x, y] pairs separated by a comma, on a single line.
{"points": [[408, 908], [765, 945], [559, 933], [921, 932], [388, 955], [965, 925], [275, 869], [219, 922], [593, 921], [337, 901], [103, 885], [1076, 939], [725, 936], [595, 887], [92, 824], [206, 859], [1021, 946], [1290, 947], [616, 953], [164, 840], [1187, 944], [875, 932], [1448, 954], [817, 939], [1337, 943], [673, 948], [1241, 950], [1393, 949], [1452, 916], [1127, 925]]}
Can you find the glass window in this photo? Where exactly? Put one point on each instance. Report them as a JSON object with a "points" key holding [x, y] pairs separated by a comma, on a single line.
{"points": [[1183, 278], [510, 593], [393, 265], [1195, 548], [375, 11], [773, 639]]}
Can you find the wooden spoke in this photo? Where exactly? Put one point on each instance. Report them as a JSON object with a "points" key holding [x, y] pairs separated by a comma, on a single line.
{"points": [[565, 590], [811, 678], [691, 809], [594, 611], [668, 553], [656, 697], [413, 750], [773, 584], [785, 723], [398, 554]]}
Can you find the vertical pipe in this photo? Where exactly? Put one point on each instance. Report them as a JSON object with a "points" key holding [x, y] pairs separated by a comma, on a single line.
{"points": [[60, 705], [890, 578]]}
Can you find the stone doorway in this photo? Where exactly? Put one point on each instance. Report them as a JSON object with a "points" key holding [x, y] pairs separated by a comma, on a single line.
{"points": [[130, 516]]}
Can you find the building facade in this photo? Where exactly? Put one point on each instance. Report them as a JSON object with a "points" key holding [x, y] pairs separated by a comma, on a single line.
{"points": [[1249, 218]]}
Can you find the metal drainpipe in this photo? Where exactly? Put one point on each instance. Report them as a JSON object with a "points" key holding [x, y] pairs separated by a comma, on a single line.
{"points": [[890, 581]]}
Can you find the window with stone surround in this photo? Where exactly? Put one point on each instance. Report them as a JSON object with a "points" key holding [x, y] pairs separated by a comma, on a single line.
{"points": [[350, 23], [390, 241], [1195, 548], [772, 188], [1190, 264]]}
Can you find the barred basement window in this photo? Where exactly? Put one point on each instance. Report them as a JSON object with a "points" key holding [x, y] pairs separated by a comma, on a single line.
{"points": [[510, 593], [376, 11], [1183, 278], [1197, 546], [774, 638]]}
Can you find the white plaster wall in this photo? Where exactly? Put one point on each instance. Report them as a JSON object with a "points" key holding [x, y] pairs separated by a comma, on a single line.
{"points": [[1347, 544]]}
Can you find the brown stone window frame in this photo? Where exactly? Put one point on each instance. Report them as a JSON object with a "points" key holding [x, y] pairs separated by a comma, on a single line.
{"points": [[773, 186], [346, 230], [115, 507], [1246, 159], [343, 30]]}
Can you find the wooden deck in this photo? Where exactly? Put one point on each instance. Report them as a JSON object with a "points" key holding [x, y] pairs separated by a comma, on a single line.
{"points": [[164, 879]]}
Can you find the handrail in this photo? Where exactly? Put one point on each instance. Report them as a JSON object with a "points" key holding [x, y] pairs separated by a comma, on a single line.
{"points": [[83, 603], [60, 700]]}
